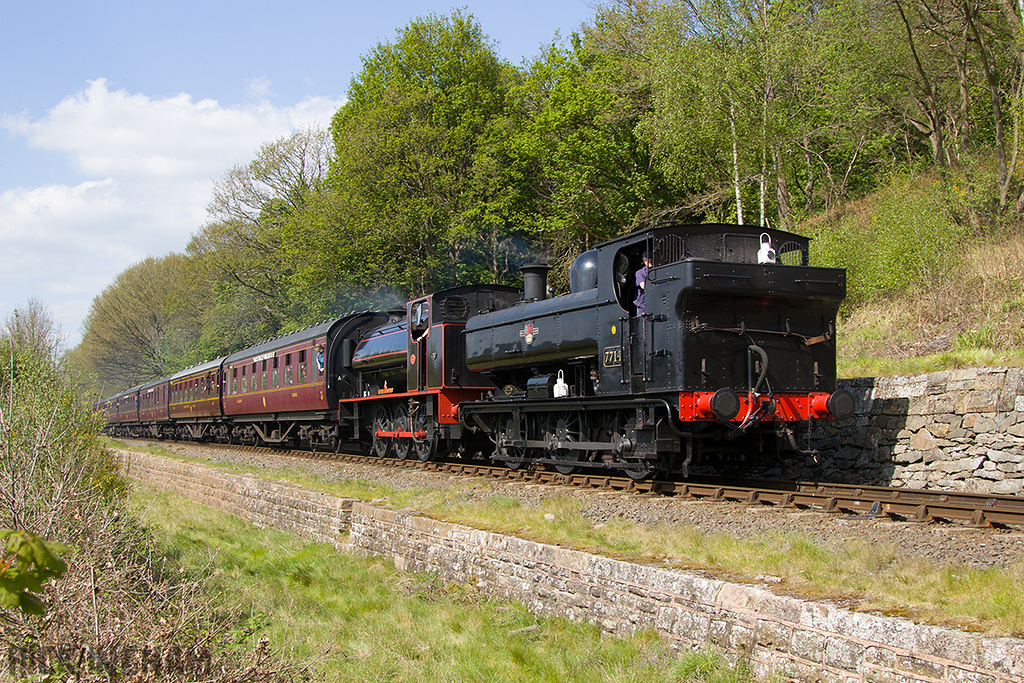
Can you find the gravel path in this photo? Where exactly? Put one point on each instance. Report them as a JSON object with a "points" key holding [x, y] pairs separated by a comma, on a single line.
{"points": [[945, 543]]}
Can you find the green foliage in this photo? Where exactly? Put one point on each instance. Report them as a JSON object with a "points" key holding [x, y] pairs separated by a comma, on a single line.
{"points": [[114, 596], [378, 623], [900, 238], [29, 563], [411, 164], [141, 326], [54, 472]]}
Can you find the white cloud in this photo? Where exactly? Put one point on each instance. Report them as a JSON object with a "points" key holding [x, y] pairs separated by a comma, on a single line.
{"points": [[259, 88], [115, 133], [148, 163]]}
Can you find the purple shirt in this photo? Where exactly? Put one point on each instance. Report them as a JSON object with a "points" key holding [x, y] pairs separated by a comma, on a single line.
{"points": [[641, 278]]}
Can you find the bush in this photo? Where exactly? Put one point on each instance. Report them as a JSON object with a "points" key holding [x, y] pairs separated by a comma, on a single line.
{"points": [[901, 237], [55, 476], [120, 611]]}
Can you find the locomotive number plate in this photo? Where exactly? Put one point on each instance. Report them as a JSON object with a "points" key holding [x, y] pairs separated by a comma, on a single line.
{"points": [[612, 356]]}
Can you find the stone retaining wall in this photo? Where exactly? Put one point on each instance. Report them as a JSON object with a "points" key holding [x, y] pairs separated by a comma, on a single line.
{"points": [[311, 514], [793, 638], [957, 430]]}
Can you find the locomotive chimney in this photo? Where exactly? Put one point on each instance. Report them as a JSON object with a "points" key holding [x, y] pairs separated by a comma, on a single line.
{"points": [[535, 281]]}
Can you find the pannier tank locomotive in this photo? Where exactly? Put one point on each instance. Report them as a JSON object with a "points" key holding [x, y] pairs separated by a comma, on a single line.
{"points": [[729, 361]]}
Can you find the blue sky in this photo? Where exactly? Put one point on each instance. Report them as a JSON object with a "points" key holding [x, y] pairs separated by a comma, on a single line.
{"points": [[116, 118]]}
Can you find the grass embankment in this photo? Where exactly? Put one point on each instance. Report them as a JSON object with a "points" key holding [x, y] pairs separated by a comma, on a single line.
{"points": [[970, 317], [359, 619], [868, 577], [925, 292]]}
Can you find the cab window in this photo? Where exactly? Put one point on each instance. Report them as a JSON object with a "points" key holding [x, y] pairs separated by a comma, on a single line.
{"points": [[419, 322], [625, 280]]}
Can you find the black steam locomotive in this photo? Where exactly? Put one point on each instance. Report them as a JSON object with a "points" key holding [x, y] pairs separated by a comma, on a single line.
{"points": [[733, 352]]}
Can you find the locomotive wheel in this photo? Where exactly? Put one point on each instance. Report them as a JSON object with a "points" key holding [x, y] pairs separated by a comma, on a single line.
{"points": [[638, 471], [567, 428], [381, 445], [505, 453], [426, 448], [569, 457], [400, 421], [635, 470]]}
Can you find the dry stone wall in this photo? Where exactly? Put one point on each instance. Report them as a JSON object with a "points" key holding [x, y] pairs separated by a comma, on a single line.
{"points": [[795, 639], [958, 430], [311, 514]]}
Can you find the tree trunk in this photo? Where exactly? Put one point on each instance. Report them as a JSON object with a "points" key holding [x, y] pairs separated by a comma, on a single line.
{"points": [[781, 190], [735, 162], [992, 78], [930, 105]]}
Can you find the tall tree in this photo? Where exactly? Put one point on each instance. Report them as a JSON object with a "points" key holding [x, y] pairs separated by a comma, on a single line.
{"points": [[410, 161], [33, 329], [584, 168], [250, 251]]}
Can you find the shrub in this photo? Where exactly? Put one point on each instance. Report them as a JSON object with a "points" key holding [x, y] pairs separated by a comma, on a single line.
{"points": [[901, 237], [120, 610]]}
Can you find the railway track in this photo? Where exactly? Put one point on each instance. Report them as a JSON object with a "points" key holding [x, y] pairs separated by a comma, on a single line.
{"points": [[912, 505]]}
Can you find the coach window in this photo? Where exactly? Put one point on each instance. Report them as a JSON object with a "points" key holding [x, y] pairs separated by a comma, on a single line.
{"points": [[234, 380], [288, 370], [302, 366], [245, 379], [263, 376], [276, 379]]}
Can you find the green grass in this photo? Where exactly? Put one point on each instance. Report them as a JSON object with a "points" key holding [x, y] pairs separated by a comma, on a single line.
{"points": [[359, 619], [879, 366], [970, 316]]}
